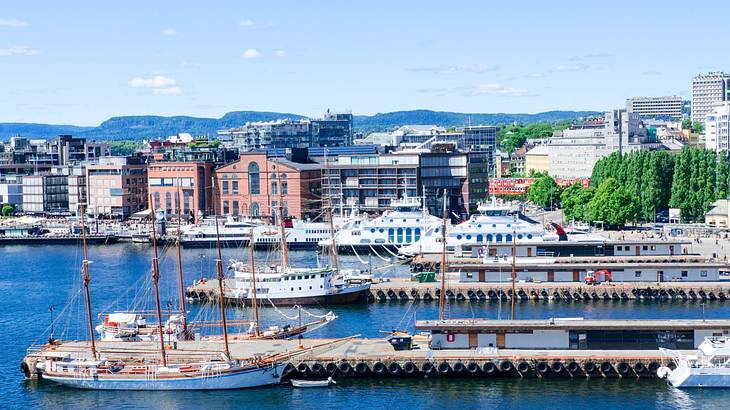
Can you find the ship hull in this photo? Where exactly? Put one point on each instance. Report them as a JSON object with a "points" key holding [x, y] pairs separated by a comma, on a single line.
{"points": [[356, 295], [256, 377], [700, 377]]}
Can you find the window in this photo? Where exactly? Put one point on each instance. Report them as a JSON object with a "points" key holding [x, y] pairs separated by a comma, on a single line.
{"points": [[499, 237], [637, 274], [157, 200], [284, 188], [508, 238], [417, 235], [274, 191], [400, 235], [234, 186], [177, 202], [168, 203], [391, 235], [255, 210], [254, 179], [225, 187], [644, 248], [186, 202], [235, 208], [408, 235], [225, 208]]}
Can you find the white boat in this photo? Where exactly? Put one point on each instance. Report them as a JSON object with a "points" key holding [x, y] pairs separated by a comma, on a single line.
{"points": [[313, 383], [133, 327], [708, 367], [230, 232], [495, 224], [403, 224], [294, 286]]}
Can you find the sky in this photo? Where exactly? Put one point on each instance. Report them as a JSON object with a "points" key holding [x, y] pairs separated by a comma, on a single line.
{"points": [[81, 62]]}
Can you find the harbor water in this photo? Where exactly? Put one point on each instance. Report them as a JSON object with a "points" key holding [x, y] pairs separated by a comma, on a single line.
{"points": [[38, 281]]}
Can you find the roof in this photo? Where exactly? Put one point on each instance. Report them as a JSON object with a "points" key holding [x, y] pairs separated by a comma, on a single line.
{"points": [[312, 166], [331, 151], [719, 207], [538, 150], [463, 325]]}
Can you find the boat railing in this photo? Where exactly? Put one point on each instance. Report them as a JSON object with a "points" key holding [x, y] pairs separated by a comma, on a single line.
{"points": [[35, 349]]}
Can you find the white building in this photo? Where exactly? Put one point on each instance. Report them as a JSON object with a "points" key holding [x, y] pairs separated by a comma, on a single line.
{"points": [[708, 90], [656, 107], [717, 127]]}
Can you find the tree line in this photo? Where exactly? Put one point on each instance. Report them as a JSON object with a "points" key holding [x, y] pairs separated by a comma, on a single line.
{"points": [[637, 185]]}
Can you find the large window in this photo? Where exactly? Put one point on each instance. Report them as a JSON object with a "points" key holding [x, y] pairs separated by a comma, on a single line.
{"points": [[254, 179], [186, 202], [157, 201], [255, 210], [168, 203], [225, 187], [234, 186]]}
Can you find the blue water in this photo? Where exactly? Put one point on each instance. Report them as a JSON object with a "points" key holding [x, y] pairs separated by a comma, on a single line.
{"points": [[34, 278]]}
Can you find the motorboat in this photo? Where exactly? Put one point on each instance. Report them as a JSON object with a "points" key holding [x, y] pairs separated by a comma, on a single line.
{"points": [[708, 367], [313, 383]]}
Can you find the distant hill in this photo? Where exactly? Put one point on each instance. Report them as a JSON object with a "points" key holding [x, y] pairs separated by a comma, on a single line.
{"points": [[150, 126], [379, 122]]}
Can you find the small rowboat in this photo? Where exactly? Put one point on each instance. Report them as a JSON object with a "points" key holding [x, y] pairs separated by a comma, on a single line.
{"points": [[313, 383]]}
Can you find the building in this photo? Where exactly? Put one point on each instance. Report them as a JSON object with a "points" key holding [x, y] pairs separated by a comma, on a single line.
{"points": [[76, 182], [406, 136], [719, 214], [574, 153], [185, 187], [571, 334], [45, 193], [333, 129], [708, 90], [11, 191], [537, 160], [253, 185], [117, 186], [717, 128], [656, 107]]}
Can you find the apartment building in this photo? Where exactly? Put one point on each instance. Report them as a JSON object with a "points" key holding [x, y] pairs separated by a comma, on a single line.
{"points": [[45, 193], [667, 107], [182, 187], [117, 186], [707, 90], [717, 128]]}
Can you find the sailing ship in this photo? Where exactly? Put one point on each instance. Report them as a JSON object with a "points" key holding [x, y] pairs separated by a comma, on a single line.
{"points": [[99, 370]]}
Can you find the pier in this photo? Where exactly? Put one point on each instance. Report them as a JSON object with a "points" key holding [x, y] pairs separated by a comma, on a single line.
{"points": [[368, 357], [406, 290]]}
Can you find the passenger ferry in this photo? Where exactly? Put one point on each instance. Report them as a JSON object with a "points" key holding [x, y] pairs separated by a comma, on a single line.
{"points": [[294, 286], [709, 367], [402, 225], [232, 233], [492, 226]]}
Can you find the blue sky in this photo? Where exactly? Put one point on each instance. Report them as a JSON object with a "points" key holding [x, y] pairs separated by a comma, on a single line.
{"points": [[83, 62]]}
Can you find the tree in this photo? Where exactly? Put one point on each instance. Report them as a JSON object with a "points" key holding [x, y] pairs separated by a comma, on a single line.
{"points": [[698, 127], [686, 124], [613, 204], [544, 191], [574, 201], [7, 210]]}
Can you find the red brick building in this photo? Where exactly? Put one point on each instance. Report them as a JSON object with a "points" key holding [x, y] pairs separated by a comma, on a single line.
{"points": [[250, 186], [185, 186]]}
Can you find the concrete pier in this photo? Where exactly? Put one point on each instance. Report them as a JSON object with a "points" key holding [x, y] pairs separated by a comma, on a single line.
{"points": [[362, 357]]}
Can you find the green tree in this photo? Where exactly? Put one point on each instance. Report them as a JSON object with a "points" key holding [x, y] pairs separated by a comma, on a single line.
{"points": [[7, 210], [613, 204], [686, 123], [544, 191], [574, 201], [698, 127]]}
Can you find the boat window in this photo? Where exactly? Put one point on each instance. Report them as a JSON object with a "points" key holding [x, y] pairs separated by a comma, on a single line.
{"points": [[468, 237], [364, 240], [400, 235], [519, 236], [408, 235], [508, 238], [321, 275], [499, 237], [391, 235], [508, 225], [479, 225], [480, 238], [417, 235], [381, 230], [529, 236], [380, 241], [372, 230], [489, 237], [299, 277], [458, 236]]}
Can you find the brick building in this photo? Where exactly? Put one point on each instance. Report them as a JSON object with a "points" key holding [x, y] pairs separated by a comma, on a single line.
{"points": [[184, 186], [117, 186]]}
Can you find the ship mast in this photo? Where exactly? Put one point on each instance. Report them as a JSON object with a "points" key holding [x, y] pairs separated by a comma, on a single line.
{"points": [[442, 295], [87, 280], [514, 273], [335, 262], [179, 262], [219, 268], [155, 280], [282, 228], [257, 329]]}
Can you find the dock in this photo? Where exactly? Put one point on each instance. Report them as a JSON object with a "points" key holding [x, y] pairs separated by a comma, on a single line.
{"points": [[369, 357], [407, 290]]}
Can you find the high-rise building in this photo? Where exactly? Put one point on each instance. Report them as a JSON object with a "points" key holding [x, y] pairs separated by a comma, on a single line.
{"points": [[708, 90], [717, 128], [656, 107]]}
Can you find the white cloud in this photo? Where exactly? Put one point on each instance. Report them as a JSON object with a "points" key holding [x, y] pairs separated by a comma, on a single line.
{"points": [[157, 81], [251, 53], [572, 67], [18, 51], [169, 32], [247, 23], [498, 89], [459, 68], [167, 91], [12, 23], [280, 53]]}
